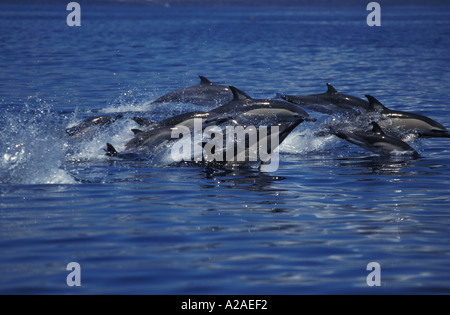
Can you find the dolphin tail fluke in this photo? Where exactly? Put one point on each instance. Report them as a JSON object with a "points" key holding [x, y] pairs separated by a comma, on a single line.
{"points": [[440, 134]]}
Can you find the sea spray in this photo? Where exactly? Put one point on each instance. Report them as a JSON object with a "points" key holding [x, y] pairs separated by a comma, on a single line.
{"points": [[31, 145]]}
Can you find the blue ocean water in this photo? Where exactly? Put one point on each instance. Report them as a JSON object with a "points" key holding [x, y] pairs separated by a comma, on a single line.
{"points": [[137, 227]]}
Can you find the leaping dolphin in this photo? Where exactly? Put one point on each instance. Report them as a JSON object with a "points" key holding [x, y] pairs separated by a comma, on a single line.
{"points": [[377, 141], [145, 142], [262, 139], [206, 94], [246, 110], [329, 102], [90, 125], [424, 127]]}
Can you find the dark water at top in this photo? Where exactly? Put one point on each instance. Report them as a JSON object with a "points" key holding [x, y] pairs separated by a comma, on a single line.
{"points": [[140, 227]]}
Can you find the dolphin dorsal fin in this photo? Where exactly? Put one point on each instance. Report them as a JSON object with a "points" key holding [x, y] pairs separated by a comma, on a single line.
{"points": [[110, 150], [377, 128], [204, 80], [374, 104], [238, 94], [331, 89]]}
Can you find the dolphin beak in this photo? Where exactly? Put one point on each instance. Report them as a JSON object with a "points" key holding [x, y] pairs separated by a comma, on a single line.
{"points": [[445, 134], [436, 134]]}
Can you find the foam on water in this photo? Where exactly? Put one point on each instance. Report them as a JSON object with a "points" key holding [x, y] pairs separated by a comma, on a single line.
{"points": [[141, 103], [34, 148], [31, 146], [304, 141], [92, 146]]}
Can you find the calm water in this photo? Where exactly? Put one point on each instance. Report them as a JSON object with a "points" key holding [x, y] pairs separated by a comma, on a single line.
{"points": [[144, 227]]}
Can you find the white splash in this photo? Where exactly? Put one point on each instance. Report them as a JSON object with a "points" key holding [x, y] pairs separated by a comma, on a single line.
{"points": [[31, 150]]}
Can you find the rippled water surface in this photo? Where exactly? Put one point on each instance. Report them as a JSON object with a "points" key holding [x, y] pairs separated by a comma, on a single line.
{"points": [[145, 227]]}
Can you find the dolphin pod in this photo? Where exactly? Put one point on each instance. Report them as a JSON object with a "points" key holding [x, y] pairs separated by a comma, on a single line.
{"points": [[332, 102], [382, 120], [230, 106], [242, 110]]}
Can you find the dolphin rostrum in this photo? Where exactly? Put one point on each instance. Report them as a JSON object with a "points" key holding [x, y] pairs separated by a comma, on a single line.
{"points": [[206, 94], [424, 127], [377, 141]]}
